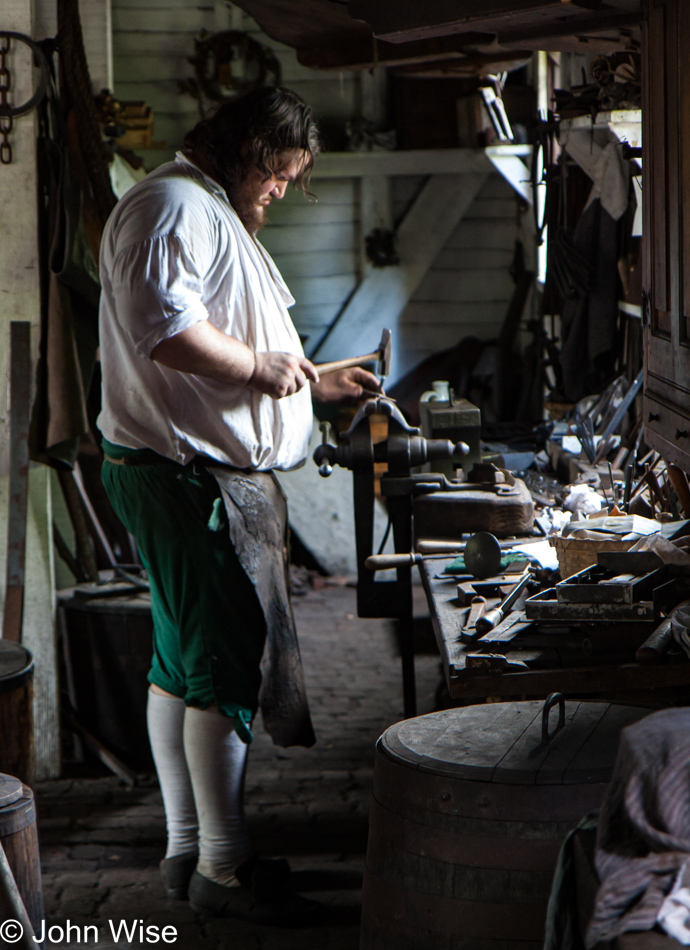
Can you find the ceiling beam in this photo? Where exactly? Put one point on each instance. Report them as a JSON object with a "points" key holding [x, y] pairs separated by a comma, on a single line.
{"points": [[370, 52], [407, 20], [572, 29]]}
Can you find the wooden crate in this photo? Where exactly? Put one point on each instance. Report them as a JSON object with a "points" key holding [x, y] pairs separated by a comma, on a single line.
{"points": [[138, 118], [575, 554]]}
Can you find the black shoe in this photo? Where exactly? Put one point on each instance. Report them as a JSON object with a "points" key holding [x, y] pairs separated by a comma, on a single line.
{"points": [[264, 895], [176, 873]]}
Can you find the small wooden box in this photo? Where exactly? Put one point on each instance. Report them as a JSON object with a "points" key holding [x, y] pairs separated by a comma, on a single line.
{"points": [[138, 118]]}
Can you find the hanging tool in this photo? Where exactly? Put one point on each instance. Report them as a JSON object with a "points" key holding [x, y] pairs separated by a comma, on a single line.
{"points": [[585, 433], [493, 617], [613, 425], [382, 355]]}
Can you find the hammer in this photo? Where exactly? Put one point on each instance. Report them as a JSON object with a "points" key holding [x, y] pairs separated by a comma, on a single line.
{"points": [[382, 355], [493, 617]]}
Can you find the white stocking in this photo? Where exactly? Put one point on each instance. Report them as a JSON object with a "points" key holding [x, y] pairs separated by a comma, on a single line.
{"points": [[165, 719], [217, 759]]}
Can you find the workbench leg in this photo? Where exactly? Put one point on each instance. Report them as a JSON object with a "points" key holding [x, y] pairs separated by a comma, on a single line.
{"points": [[406, 621]]}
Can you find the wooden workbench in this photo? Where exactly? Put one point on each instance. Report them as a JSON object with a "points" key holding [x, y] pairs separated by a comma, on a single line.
{"points": [[667, 682]]}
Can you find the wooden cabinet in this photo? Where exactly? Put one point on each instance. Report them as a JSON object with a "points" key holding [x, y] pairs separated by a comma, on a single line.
{"points": [[666, 188]]}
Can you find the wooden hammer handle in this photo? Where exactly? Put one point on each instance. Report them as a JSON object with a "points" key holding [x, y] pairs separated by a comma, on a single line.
{"points": [[680, 484], [323, 368], [383, 562]]}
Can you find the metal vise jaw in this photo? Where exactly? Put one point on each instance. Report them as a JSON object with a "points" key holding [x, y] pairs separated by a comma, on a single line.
{"points": [[404, 449]]}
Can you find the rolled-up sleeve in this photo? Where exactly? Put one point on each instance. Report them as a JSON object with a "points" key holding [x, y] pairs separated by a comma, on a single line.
{"points": [[158, 284]]}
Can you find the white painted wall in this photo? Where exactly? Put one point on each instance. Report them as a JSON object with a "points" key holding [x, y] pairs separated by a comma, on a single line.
{"points": [[468, 288], [19, 298]]}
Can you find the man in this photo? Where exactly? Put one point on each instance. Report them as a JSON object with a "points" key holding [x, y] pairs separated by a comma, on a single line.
{"points": [[205, 391]]}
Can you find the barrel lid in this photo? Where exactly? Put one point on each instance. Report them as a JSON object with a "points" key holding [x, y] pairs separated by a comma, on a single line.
{"points": [[503, 743], [10, 790], [117, 597], [14, 659]]}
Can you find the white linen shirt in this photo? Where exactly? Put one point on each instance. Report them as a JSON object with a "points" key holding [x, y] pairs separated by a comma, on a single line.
{"points": [[174, 253]]}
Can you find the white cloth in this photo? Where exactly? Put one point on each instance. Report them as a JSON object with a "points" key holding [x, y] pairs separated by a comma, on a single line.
{"points": [[674, 914], [607, 168], [217, 760], [165, 723], [174, 253], [200, 762]]}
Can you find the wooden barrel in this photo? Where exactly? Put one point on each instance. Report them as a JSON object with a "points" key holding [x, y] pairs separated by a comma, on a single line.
{"points": [[470, 807], [16, 711], [20, 843], [108, 649]]}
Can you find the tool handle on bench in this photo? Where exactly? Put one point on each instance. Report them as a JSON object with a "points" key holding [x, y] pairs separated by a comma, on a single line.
{"points": [[382, 562], [654, 647]]}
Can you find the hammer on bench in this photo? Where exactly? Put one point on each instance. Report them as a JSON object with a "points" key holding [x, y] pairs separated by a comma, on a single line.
{"points": [[382, 355]]}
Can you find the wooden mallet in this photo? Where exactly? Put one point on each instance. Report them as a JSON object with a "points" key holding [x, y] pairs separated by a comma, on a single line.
{"points": [[382, 355]]}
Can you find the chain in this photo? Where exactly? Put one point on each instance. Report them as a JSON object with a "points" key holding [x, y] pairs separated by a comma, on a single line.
{"points": [[6, 122]]}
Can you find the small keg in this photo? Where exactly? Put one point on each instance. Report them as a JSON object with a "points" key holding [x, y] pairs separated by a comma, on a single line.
{"points": [[470, 808]]}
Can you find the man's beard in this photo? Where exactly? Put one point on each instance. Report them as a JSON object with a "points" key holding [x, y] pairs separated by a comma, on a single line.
{"points": [[252, 216]]}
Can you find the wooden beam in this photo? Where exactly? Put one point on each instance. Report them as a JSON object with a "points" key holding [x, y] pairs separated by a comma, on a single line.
{"points": [[333, 53], [473, 64], [383, 295], [437, 161], [572, 28], [409, 20]]}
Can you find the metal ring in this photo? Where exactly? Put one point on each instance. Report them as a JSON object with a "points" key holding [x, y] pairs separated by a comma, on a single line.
{"points": [[31, 103]]}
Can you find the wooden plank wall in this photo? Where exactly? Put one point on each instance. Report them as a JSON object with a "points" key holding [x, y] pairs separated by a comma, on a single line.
{"points": [[152, 40], [318, 247], [467, 290]]}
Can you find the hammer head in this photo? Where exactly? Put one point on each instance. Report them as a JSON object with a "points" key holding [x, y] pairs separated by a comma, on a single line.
{"points": [[385, 352]]}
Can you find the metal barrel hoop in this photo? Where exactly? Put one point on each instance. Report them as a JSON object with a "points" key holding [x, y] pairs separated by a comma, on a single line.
{"points": [[7, 110]]}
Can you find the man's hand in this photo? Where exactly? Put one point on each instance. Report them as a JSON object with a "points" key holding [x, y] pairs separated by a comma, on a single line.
{"points": [[345, 385], [205, 351], [281, 374]]}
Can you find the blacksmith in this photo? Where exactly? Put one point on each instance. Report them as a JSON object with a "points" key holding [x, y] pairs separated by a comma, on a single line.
{"points": [[206, 390]]}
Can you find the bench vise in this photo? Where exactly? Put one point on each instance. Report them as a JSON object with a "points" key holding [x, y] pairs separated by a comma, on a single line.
{"points": [[404, 449]]}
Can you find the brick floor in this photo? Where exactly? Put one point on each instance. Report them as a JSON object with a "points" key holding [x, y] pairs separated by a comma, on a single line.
{"points": [[101, 842]]}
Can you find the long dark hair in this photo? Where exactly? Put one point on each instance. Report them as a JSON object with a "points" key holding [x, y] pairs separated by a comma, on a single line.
{"points": [[258, 130]]}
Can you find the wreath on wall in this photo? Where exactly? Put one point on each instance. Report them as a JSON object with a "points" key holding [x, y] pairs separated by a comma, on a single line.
{"points": [[227, 66]]}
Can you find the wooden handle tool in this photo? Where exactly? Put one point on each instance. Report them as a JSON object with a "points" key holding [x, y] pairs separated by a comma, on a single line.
{"points": [[383, 562], [493, 617], [654, 647], [477, 611], [382, 355]]}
